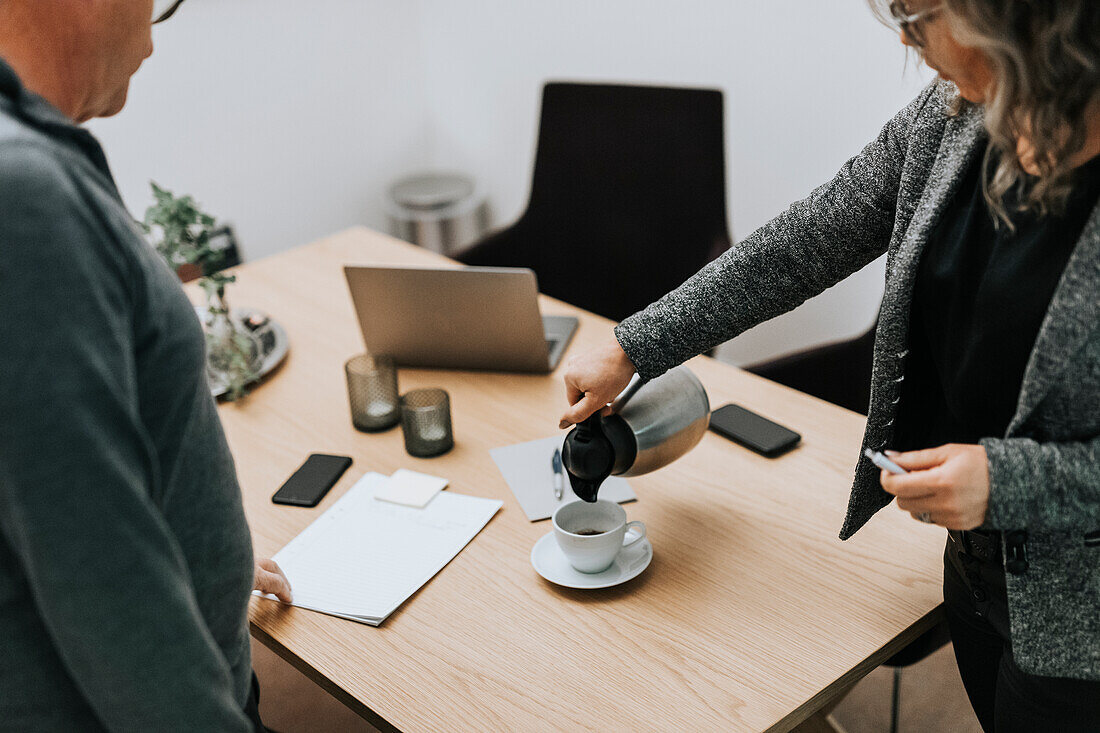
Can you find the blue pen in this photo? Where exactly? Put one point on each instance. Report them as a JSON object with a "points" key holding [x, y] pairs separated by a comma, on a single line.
{"points": [[883, 462]]}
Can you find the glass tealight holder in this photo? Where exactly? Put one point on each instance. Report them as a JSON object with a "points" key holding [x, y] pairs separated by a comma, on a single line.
{"points": [[372, 392], [426, 422]]}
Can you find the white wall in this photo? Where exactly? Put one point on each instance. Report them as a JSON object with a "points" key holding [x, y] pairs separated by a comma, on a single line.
{"points": [[289, 118], [807, 84], [284, 117]]}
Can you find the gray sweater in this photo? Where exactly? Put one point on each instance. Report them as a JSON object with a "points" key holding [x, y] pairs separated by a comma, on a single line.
{"points": [[125, 559], [1044, 472]]}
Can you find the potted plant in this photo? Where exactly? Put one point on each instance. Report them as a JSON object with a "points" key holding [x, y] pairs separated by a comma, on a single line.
{"points": [[181, 232]]}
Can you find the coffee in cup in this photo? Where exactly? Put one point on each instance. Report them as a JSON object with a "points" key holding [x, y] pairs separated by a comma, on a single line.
{"points": [[591, 535]]}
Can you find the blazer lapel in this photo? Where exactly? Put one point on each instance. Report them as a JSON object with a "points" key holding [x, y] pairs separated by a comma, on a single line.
{"points": [[961, 141], [1073, 314], [961, 138]]}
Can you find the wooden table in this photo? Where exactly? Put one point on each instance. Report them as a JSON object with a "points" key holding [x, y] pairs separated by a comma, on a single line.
{"points": [[752, 616]]}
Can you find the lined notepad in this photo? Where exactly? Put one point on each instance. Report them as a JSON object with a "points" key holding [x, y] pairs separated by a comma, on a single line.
{"points": [[364, 557]]}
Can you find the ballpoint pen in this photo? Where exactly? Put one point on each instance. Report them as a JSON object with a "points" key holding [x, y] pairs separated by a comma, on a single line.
{"points": [[883, 462], [886, 464], [559, 479]]}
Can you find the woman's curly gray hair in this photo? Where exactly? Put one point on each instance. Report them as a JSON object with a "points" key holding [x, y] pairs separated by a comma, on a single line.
{"points": [[1045, 58]]}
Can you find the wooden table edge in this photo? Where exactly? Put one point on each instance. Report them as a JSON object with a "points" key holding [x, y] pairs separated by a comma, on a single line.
{"points": [[832, 693], [848, 680], [349, 701]]}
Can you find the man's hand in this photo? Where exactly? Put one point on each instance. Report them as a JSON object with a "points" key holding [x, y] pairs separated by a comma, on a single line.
{"points": [[268, 577], [593, 379], [949, 483]]}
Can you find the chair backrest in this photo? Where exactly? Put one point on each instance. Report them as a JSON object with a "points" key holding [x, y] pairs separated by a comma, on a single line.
{"points": [[631, 150], [628, 196]]}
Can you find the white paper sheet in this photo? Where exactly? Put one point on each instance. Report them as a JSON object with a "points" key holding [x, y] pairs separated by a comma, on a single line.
{"points": [[364, 557]]}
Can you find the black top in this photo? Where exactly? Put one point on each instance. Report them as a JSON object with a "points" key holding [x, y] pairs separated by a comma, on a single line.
{"points": [[980, 296]]}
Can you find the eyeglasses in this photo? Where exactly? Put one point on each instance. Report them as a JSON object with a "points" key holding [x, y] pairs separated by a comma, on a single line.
{"points": [[910, 23], [165, 9]]}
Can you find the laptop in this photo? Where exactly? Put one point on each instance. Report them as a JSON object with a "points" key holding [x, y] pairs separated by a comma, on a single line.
{"points": [[483, 318]]}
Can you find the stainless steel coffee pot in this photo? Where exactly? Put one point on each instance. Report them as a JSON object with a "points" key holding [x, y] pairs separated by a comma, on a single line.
{"points": [[651, 425]]}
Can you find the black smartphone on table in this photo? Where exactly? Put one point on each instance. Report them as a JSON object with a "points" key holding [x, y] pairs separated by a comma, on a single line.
{"points": [[755, 432], [309, 484]]}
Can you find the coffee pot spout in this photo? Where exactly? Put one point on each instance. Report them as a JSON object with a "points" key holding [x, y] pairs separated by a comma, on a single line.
{"points": [[588, 457]]}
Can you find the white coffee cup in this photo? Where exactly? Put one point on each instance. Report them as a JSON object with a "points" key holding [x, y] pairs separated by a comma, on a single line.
{"points": [[592, 535]]}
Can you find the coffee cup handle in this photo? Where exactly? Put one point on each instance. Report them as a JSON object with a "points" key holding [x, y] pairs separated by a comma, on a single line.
{"points": [[641, 534]]}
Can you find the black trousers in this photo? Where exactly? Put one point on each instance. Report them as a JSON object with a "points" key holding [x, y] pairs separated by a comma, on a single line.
{"points": [[1006, 699]]}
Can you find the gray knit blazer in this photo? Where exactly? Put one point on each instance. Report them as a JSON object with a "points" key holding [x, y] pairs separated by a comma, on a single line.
{"points": [[1044, 472]]}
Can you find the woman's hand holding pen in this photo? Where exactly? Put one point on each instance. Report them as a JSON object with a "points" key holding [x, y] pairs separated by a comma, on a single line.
{"points": [[949, 484]]}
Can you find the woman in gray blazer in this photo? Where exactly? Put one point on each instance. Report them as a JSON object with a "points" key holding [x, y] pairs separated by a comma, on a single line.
{"points": [[983, 195]]}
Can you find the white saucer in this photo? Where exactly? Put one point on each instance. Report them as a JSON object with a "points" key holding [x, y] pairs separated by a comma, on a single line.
{"points": [[550, 563]]}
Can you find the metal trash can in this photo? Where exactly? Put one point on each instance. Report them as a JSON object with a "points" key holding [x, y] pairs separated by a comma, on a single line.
{"points": [[443, 212]]}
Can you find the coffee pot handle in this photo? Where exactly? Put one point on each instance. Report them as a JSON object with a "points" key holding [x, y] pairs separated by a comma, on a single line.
{"points": [[632, 388]]}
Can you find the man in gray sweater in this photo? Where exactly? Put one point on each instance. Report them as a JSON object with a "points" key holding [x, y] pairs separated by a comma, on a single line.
{"points": [[125, 559]]}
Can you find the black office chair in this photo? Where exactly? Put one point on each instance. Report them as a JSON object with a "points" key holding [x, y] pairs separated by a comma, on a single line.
{"points": [[841, 373], [628, 196]]}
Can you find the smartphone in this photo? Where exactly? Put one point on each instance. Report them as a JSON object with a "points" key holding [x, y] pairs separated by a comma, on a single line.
{"points": [[753, 431], [309, 484]]}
